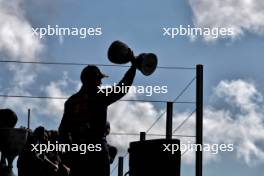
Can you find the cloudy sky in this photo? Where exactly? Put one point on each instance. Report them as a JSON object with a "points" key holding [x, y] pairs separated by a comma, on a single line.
{"points": [[233, 82]]}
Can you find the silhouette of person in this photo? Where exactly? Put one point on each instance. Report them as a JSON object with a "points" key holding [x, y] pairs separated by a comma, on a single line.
{"points": [[29, 162], [32, 163], [85, 116], [8, 119]]}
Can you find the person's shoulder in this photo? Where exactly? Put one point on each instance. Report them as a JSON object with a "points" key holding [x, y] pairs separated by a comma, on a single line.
{"points": [[75, 98], [72, 98]]}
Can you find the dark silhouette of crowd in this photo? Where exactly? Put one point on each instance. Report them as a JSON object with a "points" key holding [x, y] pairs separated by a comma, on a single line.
{"points": [[52, 163], [84, 122], [32, 163]]}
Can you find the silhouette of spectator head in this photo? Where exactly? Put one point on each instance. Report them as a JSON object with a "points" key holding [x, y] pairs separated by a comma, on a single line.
{"points": [[41, 134], [8, 118], [92, 76]]}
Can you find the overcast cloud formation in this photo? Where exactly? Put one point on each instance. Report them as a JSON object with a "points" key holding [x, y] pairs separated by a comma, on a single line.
{"points": [[243, 15]]}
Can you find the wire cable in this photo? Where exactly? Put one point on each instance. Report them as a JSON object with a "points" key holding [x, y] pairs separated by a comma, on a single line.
{"points": [[184, 121], [175, 100], [184, 89], [64, 98], [154, 123], [84, 64], [159, 117], [158, 135], [184, 153]]}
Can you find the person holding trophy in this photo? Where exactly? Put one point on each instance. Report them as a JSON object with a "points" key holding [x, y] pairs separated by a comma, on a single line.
{"points": [[85, 113]]}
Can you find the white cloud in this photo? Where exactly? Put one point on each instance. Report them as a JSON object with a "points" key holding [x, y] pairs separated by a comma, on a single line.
{"points": [[244, 127], [18, 43], [130, 117], [16, 38], [55, 107], [243, 15], [239, 122], [16, 103]]}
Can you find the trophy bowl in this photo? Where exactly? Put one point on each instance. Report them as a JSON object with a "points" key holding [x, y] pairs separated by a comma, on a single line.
{"points": [[120, 53]]}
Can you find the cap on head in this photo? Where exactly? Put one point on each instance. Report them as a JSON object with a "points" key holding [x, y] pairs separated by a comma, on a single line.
{"points": [[90, 73]]}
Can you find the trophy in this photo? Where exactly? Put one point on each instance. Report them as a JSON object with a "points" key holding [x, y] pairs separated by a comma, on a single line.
{"points": [[120, 53]]}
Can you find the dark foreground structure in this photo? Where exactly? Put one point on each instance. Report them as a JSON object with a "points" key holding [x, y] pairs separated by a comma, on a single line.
{"points": [[147, 158]]}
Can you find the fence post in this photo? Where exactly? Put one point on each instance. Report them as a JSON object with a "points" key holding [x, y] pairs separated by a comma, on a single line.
{"points": [[199, 119], [142, 136], [28, 120], [120, 166], [169, 120]]}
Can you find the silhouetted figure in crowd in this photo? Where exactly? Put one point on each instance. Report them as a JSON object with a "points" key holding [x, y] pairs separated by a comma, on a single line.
{"points": [[84, 120], [34, 163], [8, 119], [55, 156]]}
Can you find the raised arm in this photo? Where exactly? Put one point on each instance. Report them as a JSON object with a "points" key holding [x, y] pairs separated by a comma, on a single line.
{"points": [[127, 80]]}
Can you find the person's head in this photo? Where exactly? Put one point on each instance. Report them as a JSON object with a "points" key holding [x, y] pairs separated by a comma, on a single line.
{"points": [[92, 76], [41, 134], [8, 118]]}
